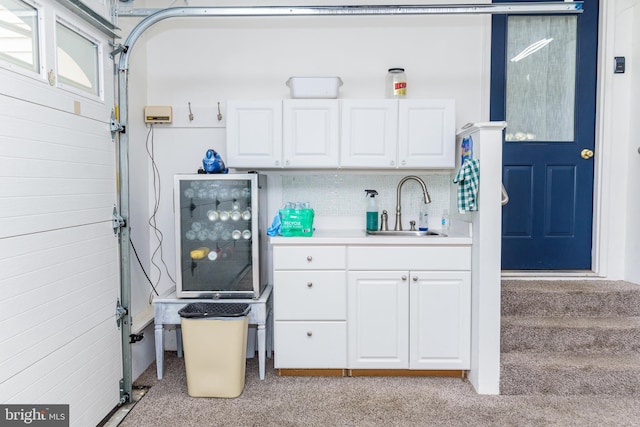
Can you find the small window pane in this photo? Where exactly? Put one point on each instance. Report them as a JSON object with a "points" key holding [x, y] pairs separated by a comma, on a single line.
{"points": [[77, 60], [19, 34], [541, 66]]}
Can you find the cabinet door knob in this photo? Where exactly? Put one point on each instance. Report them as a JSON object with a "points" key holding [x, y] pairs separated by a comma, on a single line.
{"points": [[309, 258], [415, 278], [309, 284], [404, 277], [309, 333]]}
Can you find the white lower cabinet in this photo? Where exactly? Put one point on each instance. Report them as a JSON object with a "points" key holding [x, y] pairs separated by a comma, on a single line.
{"points": [[310, 307], [378, 319], [409, 319], [311, 345], [440, 320], [369, 307]]}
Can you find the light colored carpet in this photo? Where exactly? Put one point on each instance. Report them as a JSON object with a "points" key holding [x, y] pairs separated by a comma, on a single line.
{"points": [[364, 402], [570, 337]]}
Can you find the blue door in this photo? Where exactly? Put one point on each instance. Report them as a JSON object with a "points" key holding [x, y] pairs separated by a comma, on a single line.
{"points": [[543, 84]]}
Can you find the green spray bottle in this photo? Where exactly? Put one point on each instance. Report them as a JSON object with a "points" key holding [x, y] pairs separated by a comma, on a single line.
{"points": [[372, 210]]}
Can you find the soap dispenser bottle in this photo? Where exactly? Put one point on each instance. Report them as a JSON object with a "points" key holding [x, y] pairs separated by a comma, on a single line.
{"points": [[372, 210], [423, 219]]}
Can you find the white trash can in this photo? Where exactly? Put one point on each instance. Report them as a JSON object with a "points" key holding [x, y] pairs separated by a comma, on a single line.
{"points": [[214, 342]]}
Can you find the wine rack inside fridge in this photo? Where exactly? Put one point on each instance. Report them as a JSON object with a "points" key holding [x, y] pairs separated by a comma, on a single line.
{"points": [[219, 225]]}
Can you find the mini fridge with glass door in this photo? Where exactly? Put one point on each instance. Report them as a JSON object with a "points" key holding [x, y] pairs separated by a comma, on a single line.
{"points": [[219, 222]]}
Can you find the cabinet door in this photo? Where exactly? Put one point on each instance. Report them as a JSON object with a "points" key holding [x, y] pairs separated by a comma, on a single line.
{"points": [[426, 133], [440, 322], [369, 133], [311, 133], [254, 134], [378, 319]]}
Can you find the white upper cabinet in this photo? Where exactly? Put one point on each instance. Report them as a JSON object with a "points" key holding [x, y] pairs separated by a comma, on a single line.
{"points": [[254, 134], [290, 133], [332, 133], [406, 133], [311, 133], [369, 133], [426, 133]]}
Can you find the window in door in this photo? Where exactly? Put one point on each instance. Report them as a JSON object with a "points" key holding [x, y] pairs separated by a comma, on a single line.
{"points": [[19, 35], [77, 60], [540, 78]]}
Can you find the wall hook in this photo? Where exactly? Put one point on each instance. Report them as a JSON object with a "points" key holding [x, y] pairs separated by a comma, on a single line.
{"points": [[190, 113], [219, 113]]}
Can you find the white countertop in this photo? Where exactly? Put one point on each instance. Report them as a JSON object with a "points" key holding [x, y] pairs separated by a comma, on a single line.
{"points": [[360, 237]]}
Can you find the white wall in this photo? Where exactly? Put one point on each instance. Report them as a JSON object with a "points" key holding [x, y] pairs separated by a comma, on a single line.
{"points": [[617, 159], [204, 61], [632, 247], [209, 60]]}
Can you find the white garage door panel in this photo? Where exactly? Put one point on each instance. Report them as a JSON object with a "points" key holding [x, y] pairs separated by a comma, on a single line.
{"points": [[62, 128], [53, 293], [56, 172], [62, 326], [39, 92], [59, 257], [71, 211], [54, 378], [19, 186], [37, 252]]}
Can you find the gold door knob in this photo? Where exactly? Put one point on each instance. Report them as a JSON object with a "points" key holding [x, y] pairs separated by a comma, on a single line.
{"points": [[586, 153]]}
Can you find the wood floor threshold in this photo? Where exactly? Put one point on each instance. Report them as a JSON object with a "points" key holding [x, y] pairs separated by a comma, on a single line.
{"points": [[370, 373]]}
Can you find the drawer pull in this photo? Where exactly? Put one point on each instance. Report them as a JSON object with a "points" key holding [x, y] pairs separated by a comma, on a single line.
{"points": [[309, 333], [404, 277], [309, 258], [415, 278], [309, 284]]}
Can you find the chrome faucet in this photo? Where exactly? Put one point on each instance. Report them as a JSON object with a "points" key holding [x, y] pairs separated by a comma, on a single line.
{"points": [[425, 192]]}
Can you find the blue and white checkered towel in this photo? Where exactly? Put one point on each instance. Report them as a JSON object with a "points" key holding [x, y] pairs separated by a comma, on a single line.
{"points": [[468, 180]]}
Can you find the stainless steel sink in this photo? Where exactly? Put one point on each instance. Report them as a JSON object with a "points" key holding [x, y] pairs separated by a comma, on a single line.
{"points": [[407, 233]]}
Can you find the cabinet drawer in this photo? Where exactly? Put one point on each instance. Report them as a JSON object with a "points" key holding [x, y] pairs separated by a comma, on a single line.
{"points": [[319, 345], [409, 258], [310, 295], [309, 258]]}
